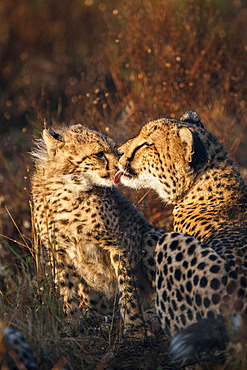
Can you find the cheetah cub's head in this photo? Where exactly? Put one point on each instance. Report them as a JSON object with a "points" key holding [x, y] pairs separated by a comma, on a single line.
{"points": [[166, 156], [77, 156]]}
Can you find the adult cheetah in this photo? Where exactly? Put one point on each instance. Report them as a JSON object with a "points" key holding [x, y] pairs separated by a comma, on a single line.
{"points": [[102, 246], [202, 266]]}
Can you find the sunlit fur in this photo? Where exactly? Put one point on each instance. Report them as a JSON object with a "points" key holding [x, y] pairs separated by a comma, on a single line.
{"points": [[201, 268], [102, 245]]}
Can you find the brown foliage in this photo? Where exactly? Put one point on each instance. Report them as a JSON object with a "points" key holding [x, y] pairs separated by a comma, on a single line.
{"points": [[111, 66]]}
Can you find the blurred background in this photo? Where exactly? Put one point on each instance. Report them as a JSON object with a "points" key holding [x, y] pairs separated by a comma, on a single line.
{"points": [[112, 66]]}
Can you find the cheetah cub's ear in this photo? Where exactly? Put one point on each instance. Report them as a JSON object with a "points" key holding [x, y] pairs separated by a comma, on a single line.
{"points": [[53, 142]]}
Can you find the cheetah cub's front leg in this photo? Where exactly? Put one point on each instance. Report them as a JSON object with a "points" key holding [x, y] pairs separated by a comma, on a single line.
{"points": [[129, 297]]}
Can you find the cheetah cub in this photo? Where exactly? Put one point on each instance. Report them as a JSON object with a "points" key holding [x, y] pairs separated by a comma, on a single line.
{"points": [[202, 266], [102, 246]]}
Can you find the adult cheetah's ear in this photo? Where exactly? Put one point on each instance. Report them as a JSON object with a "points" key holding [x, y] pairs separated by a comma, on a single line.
{"points": [[186, 138], [53, 141], [195, 151]]}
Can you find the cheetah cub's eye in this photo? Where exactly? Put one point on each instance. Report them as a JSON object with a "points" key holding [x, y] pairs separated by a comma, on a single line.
{"points": [[100, 155]]}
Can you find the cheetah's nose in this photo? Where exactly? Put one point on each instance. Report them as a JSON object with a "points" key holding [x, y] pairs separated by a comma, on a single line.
{"points": [[117, 177]]}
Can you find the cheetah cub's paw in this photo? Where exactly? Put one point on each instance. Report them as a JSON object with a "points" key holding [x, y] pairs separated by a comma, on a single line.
{"points": [[145, 327]]}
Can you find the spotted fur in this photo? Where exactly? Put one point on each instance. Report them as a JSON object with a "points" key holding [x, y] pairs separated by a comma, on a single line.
{"points": [[102, 246], [202, 267], [15, 352]]}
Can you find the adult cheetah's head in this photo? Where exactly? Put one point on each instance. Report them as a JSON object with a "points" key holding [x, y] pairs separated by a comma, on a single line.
{"points": [[166, 156], [81, 156]]}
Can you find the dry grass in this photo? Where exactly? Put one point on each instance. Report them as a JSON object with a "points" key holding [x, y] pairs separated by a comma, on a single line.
{"points": [[112, 66]]}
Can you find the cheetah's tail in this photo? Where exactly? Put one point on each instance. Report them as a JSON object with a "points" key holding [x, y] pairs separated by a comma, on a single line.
{"points": [[18, 351], [207, 337]]}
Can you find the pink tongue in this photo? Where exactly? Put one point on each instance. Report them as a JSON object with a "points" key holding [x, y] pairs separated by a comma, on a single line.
{"points": [[117, 177]]}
